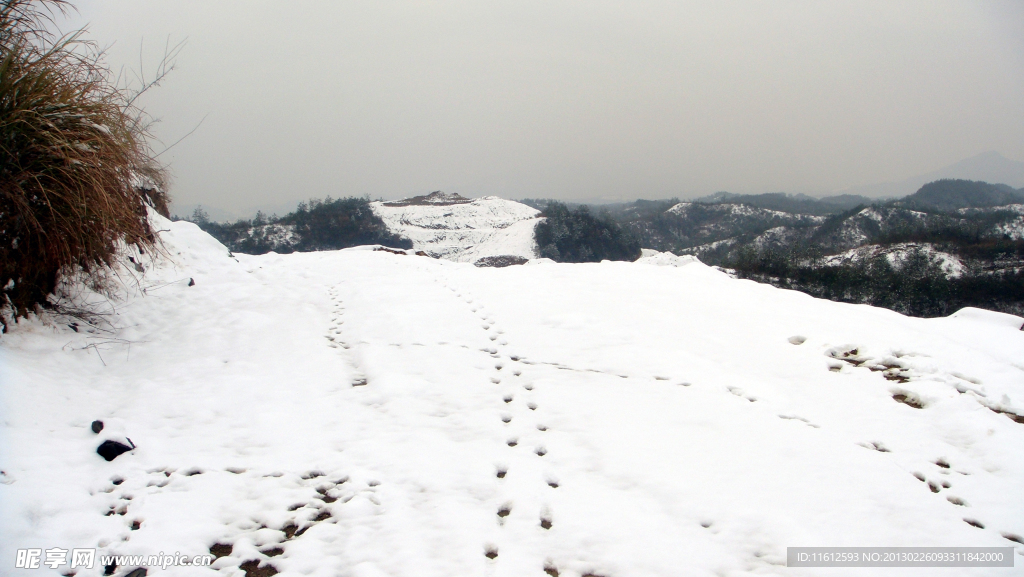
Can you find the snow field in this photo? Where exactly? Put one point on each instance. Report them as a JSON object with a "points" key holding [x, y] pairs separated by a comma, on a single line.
{"points": [[365, 413]]}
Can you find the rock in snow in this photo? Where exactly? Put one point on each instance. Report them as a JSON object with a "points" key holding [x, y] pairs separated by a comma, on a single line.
{"points": [[611, 419], [111, 450]]}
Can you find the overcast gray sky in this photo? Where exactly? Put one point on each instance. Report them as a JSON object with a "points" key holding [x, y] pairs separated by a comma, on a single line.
{"points": [[568, 99]]}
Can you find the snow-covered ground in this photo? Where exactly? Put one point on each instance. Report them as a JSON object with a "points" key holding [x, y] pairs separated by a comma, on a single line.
{"points": [[454, 228], [363, 413]]}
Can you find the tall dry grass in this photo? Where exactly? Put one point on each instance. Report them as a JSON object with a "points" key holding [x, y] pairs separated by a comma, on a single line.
{"points": [[76, 168]]}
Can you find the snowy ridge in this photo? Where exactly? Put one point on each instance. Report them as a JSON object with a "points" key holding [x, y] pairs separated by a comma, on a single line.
{"points": [[451, 227], [742, 210], [365, 413], [952, 265], [1013, 229], [710, 223]]}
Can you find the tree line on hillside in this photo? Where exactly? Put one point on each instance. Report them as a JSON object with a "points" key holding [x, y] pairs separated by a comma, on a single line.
{"points": [[915, 285], [577, 235], [328, 224]]}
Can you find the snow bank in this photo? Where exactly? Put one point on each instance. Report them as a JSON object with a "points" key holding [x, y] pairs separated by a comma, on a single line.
{"points": [[649, 256]]}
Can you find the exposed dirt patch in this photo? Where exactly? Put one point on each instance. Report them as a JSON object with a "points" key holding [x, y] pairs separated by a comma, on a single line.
{"points": [[1013, 416], [219, 550], [436, 198], [501, 261], [324, 496], [252, 569], [908, 400], [391, 250]]}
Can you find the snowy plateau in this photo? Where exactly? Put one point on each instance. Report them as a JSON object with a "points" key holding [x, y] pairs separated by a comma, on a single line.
{"points": [[372, 413]]}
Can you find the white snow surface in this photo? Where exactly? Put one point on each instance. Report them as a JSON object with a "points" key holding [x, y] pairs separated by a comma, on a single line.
{"points": [[651, 256], [665, 420], [463, 231]]}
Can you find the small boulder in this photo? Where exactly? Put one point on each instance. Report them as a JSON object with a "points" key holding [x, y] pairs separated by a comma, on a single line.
{"points": [[111, 450], [97, 426]]}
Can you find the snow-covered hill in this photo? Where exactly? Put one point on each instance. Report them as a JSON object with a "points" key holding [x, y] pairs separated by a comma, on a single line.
{"points": [[451, 227], [897, 254], [365, 413]]}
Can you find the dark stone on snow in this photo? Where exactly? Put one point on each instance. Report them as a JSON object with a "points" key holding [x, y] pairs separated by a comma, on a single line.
{"points": [[501, 261], [97, 426], [109, 569], [111, 450], [140, 572], [191, 282]]}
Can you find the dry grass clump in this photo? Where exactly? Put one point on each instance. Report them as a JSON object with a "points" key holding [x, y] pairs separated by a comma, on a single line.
{"points": [[76, 169]]}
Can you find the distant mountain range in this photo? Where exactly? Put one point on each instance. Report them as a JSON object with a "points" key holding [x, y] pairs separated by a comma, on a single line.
{"points": [[717, 227], [968, 233], [987, 166]]}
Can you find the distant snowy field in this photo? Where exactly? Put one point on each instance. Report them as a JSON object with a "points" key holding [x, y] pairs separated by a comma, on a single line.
{"points": [[463, 231], [365, 414]]}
